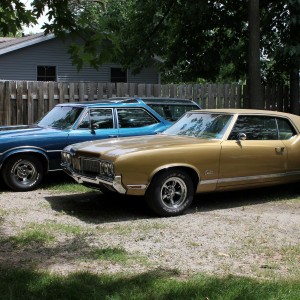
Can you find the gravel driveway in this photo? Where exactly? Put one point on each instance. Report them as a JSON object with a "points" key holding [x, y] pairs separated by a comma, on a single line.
{"points": [[247, 233]]}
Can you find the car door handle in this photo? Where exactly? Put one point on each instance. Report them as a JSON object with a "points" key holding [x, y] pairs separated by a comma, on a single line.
{"points": [[112, 136], [279, 150]]}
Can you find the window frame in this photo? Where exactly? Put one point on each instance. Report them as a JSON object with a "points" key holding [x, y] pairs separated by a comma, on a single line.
{"points": [[114, 79], [291, 126], [88, 114], [276, 119], [156, 121], [46, 77]]}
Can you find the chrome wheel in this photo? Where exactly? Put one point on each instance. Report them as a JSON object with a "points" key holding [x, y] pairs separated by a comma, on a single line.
{"points": [[170, 192], [24, 172], [173, 192]]}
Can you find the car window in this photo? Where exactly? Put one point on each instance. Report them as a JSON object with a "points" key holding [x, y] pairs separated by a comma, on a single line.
{"points": [[172, 112], [255, 128], [130, 118], [98, 118], [286, 130]]}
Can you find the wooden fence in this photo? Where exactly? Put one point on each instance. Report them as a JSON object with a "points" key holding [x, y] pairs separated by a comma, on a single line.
{"points": [[24, 102]]}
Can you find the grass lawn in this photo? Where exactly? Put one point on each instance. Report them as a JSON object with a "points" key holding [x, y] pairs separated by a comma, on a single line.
{"points": [[29, 284]]}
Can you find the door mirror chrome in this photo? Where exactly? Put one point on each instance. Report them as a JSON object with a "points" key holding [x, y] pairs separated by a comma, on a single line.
{"points": [[241, 136]]}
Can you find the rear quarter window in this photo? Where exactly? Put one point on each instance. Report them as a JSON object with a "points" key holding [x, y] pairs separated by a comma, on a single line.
{"points": [[285, 128]]}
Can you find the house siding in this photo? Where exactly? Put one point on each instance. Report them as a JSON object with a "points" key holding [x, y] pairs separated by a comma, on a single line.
{"points": [[22, 64], [147, 75]]}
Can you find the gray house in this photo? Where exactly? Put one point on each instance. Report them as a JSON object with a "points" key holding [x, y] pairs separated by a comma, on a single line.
{"points": [[45, 58]]}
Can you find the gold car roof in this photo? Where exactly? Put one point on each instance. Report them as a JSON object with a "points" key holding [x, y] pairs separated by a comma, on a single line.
{"points": [[293, 118]]}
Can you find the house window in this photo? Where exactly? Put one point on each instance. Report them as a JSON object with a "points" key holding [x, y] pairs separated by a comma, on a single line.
{"points": [[46, 73], [118, 75]]}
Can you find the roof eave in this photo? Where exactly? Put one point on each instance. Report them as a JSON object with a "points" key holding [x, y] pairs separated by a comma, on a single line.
{"points": [[27, 43]]}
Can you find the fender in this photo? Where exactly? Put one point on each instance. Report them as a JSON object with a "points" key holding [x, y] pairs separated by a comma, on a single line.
{"points": [[174, 165], [24, 149]]}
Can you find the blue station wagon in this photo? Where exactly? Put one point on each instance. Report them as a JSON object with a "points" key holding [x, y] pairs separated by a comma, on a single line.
{"points": [[29, 152]]}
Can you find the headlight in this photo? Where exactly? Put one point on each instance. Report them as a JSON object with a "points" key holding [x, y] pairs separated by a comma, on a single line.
{"points": [[66, 157], [106, 168]]}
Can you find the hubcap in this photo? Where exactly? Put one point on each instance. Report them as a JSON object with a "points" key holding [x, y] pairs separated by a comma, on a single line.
{"points": [[24, 172], [173, 192]]}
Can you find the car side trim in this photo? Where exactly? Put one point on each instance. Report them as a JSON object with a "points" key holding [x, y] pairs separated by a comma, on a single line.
{"points": [[248, 178], [50, 151], [28, 148], [212, 181], [12, 150], [137, 186]]}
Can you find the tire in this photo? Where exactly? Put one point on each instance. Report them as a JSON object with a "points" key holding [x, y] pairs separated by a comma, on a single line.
{"points": [[23, 172], [170, 193]]}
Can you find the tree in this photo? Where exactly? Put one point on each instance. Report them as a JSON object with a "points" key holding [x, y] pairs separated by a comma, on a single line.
{"points": [[189, 36], [13, 16], [294, 51], [193, 39], [281, 43], [254, 68]]}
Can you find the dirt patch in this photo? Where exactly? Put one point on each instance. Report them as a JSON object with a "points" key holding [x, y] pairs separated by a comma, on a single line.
{"points": [[248, 233]]}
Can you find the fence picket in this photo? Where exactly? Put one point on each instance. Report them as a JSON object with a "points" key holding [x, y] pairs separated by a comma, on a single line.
{"points": [[279, 98], [25, 102], [2, 103], [30, 103], [238, 96]]}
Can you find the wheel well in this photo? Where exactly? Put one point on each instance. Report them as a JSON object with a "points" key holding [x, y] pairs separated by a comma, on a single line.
{"points": [[193, 174], [39, 156]]}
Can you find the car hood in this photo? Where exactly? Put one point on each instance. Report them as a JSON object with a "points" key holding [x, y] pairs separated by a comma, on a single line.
{"points": [[113, 148], [23, 130]]}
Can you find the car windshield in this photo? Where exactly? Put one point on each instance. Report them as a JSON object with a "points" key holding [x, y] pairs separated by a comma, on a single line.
{"points": [[61, 117], [201, 125]]}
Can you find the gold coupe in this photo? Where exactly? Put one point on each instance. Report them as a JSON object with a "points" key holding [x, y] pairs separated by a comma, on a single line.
{"points": [[204, 151]]}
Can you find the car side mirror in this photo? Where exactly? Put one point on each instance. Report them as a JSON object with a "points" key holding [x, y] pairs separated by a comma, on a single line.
{"points": [[93, 128], [241, 136]]}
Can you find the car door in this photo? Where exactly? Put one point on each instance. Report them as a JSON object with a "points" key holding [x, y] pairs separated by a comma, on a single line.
{"points": [[137, 121], [253, 153], [98, 123]]}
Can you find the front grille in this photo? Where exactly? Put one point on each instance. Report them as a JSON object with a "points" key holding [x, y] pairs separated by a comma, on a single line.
{"points": [[76, 164], [93, 167], [90, 166]]}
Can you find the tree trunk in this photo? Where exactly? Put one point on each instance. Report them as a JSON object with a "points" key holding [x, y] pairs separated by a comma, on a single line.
{"points": [[294, 88], [294, 8], [254, 78]]}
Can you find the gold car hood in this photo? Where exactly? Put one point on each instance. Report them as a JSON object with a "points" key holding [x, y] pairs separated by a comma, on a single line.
{"points": [[113, 148]]}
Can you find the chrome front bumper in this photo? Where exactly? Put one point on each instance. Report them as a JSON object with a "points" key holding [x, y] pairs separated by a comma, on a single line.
{"points": [[116, 184]]}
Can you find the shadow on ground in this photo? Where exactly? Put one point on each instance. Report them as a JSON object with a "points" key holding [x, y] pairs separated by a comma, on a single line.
{"points": [[95, 207]]}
